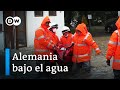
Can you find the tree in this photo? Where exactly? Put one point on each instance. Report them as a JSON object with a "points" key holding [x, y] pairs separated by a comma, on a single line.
{"points": [[68, 17], [96, 16], [84, 20]]}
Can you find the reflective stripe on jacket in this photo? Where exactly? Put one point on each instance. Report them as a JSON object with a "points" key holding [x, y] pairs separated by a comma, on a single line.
{"points": [[42, 40], [83, 44], [113, 49], [66, 42]]}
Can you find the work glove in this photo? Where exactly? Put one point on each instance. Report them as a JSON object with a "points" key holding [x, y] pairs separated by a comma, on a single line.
{"points": [[108, 62], [98, 52]]}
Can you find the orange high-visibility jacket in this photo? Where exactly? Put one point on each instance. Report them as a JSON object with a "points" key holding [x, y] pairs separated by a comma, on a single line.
{"points": [[42, 41], [54, 38], [114, 47], [83, 45], [66, 41]]}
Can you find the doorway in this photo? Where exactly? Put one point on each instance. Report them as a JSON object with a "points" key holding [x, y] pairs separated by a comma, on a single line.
{"points": [[15, 36]]}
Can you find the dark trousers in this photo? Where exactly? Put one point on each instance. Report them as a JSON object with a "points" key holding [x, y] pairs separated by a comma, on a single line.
{"points": [[84, 65], [63, 63], [116, 74]]}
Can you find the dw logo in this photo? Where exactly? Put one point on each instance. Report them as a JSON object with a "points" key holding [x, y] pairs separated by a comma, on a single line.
{"points": [[13, 21]]}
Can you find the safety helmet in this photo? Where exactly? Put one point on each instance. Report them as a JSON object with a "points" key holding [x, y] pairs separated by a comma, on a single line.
{"points": [[65, 29], [53, 25]]}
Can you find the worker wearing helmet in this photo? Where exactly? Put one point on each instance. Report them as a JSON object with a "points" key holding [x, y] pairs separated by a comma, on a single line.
{"points": [[83, 44], [66, 39], [53, 28], [66, 42]]}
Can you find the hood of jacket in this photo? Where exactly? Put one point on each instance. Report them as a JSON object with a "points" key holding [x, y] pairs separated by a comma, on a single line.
{"points": [[82, 28], [43, 24]]}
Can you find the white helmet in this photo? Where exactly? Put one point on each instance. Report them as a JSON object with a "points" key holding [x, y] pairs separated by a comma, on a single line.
{"points": [[52, 25], [65, 29]]}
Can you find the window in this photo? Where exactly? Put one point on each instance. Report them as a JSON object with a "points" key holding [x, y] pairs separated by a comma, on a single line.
{"points": [[52, 13], [38, 13]]}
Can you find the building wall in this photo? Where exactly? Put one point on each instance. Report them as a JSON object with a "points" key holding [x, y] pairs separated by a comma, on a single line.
{"points": [[32, 23], [1, 33], [118, 13]]}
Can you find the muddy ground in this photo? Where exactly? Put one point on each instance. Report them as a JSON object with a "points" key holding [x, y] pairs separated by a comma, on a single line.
{"points": [[99, 68]]}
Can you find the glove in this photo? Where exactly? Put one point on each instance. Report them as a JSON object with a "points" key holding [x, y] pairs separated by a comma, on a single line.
{"points": [[98, 52], [108, 62]]}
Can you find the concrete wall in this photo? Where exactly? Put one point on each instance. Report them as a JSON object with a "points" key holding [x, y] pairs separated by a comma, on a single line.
{"points": [[32, 23], [1, 33], [118, 13]]}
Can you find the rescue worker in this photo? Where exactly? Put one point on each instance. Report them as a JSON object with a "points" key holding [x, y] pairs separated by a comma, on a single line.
{"points": [[42, 42], [114, 51], [55, 40], [66, 39], [53, 28], [43, 45], [66, 42], [83, 44]]}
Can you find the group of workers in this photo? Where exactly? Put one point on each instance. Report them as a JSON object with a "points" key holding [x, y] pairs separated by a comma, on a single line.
{"points": [[75, 48]]}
